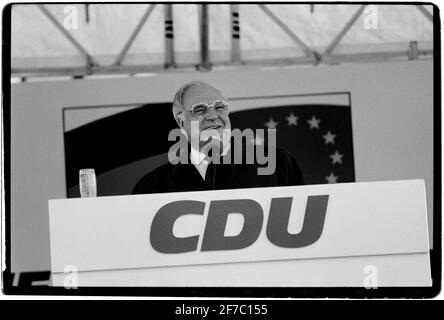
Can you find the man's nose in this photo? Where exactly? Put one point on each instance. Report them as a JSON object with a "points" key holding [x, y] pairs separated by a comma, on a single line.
{"points": [[211, 113]]}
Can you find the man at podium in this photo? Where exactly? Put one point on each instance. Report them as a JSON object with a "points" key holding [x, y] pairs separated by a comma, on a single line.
{"points": [[211, 164]]}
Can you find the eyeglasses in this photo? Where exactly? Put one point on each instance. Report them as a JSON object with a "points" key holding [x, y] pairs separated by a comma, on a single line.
{"points": [[200, 109]]}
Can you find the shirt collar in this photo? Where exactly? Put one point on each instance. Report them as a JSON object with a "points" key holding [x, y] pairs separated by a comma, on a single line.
{"points": [[198, 157]]}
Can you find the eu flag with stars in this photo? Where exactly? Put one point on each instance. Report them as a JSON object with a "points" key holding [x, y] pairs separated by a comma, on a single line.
{"points": [[319, 136]]}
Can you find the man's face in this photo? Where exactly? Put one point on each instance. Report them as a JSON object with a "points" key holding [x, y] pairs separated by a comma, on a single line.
{"points": [[212, 119]]}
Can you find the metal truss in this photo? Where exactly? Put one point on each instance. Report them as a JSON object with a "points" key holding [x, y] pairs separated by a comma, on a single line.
{"points": [[311, 56]]}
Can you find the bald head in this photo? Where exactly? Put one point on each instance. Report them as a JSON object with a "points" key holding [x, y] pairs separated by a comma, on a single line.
{"points": [[192, 93]]}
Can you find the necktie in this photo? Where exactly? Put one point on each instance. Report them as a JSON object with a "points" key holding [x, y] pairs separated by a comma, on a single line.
{"points": [[210, 175]]}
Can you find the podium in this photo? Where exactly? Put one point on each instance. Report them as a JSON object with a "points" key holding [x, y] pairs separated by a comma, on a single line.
{"points": [[371, 234]]}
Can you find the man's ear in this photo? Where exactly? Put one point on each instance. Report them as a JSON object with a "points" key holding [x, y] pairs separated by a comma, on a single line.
{"points": [[179, 120]]}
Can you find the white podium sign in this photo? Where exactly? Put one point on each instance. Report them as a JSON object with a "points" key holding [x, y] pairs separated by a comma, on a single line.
{"points": [[351, 234]]}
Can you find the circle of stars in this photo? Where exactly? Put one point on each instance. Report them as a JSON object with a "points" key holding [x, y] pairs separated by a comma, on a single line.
{"points": [[313, 123]]}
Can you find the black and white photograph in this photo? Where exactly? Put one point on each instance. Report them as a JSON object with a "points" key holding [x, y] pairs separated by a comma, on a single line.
{"points": [[221, 150]]}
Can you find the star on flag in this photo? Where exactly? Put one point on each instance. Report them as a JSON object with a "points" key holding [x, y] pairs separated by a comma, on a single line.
{"points": [[329, 138], [314, 122], [292, 120], [331, 178], [336, 157], [271, 124]]}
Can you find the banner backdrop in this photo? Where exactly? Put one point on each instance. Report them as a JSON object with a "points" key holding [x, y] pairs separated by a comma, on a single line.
{"points": [[123, 143]]}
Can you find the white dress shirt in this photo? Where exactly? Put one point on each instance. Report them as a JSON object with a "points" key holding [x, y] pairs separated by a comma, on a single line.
{"points": [[200, 161]]}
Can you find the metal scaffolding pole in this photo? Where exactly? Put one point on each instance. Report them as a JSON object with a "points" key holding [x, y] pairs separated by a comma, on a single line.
{"points": [[169, 37], [204, 39], [132, 69], [90, 61], [235, 35], [307, 50], [425, 12], [133, 35], [412, 52], [343, 31]]}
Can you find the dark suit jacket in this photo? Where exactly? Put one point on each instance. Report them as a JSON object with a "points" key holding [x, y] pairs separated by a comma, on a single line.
{"points": [[186, 177]]}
